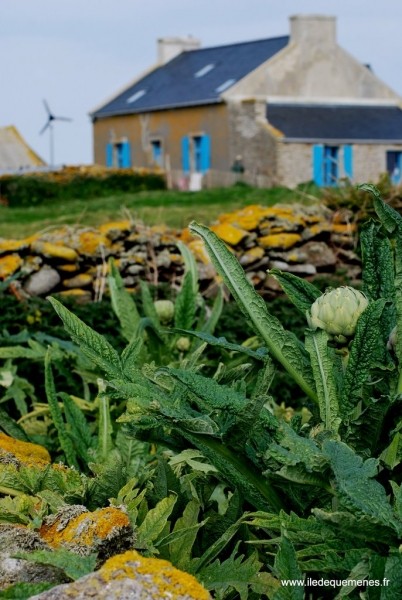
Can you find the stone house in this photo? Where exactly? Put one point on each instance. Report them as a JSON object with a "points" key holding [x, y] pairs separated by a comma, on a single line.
{"points": [[290, 109]]}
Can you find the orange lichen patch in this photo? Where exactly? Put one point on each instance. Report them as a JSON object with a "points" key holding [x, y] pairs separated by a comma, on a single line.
{"points": [[156, 573], [67, 268], [122, 226], [186, 236], [9, 265], [344, 228], [54, 250], [279, 240], [197, 247], [85, 530], [26, 453], [228, 233], [89, 242]]}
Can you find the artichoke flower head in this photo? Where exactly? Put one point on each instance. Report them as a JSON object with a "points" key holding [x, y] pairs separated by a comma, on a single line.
{"points": [[164, 310], [337, 311]]}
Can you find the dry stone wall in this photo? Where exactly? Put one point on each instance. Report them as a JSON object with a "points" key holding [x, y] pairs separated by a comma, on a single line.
{"points": [[306, 241]]}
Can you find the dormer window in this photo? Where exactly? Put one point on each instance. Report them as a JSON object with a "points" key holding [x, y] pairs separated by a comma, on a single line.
{"points": [[204, 70], [136, 96], [224, 86]]}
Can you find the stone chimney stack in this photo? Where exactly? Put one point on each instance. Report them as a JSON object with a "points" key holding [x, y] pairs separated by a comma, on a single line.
{"points": [[169, 47], [313, 30]]}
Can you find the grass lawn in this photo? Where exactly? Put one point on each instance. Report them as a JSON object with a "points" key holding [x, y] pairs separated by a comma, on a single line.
{"points": [[172, 208]]}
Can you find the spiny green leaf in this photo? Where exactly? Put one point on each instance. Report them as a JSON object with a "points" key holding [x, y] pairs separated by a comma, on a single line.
{"points": [[234, 572], [190, 265], [393, 575], [362, 355], [11, 427], [155, 522], [105, 430], [389, 217], [24, 591], [299, 291], [211, 322], [287, 570], [55, 411], [122, 303], [358, 490], [73, 565], [148, 305], [185, 304], [283, 344], [322, 361], [93, 345], [378, 264], [79, 428], [180, 548], [222, 342], [216, 548]]}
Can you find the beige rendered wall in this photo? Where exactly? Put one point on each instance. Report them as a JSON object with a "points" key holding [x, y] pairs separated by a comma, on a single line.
{"points": [[170, 126]]}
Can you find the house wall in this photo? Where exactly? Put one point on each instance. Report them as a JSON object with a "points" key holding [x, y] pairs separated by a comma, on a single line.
{"points": [[170, 126], [295, 162]]}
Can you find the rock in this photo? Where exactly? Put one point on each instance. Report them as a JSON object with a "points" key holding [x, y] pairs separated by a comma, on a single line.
{"points": [[300, 269], [106, 531], [279, 240], [18, 538], [116, 229], [251, 256], [24, 453], [318, 254], [130, 576], [51, 250], [42, 282], [81, 296], [9, 264], [79, 281], [229, 233]]}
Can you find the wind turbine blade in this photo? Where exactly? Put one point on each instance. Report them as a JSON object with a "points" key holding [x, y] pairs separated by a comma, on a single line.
{"points": [[44, 128], [49, 112], [62, 119]]}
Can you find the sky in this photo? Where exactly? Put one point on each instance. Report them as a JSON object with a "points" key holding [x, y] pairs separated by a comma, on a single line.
{"points": [[78, 53]]}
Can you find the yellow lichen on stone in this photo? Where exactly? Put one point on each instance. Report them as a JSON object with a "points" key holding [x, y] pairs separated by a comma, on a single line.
{"points": [[79, 281], [9, 264], [90, 242], [228, 233], [252, 255], [125, 225], [54, 250], [164, 578], [68, 268], [86, 529], [279, 240], [26, 453], [197, 247], [15, 245], [344, 228]]}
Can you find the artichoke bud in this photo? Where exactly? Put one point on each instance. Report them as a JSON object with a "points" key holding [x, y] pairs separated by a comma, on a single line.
{"points": [[337, 311], [164, 310], [392, 340], [183, 344]]}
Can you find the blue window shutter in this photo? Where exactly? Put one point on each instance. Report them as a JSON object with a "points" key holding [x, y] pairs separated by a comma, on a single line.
{"points": [[125, 155], [348, 161], [185, 154], [205, 153], [318, 164], [109, 155]]}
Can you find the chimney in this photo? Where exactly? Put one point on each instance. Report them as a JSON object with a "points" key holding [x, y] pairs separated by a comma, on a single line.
{"points": [[313, 30], [169, 47]]}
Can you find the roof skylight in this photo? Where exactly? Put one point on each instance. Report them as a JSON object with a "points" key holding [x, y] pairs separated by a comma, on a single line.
{"points": [[225, 85], [204, 70], [136, 96]]}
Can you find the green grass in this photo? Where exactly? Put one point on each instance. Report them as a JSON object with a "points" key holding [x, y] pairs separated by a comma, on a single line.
{"points": [[175, 209]]}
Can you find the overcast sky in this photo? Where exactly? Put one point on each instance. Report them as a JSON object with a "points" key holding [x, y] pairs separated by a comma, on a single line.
{"points": [[78, 53]]}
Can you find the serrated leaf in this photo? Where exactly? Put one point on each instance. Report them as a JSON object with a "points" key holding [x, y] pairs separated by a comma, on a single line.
{"points": [[392, 588], [180, 548], [105, 428], [122, 303], [211, 322], [154, 522], [282, 344], [234, 572], [94, 346], [11, 427], [24, 591], [362, 355], [322, 362], [185, 304], [190, 265], [148, 305], [287, 570], [300, 292], [358, 490], [79, 428], [378, 264], [216, 548], [222, 342], [55, 411], [73, 565], [389, 217]]}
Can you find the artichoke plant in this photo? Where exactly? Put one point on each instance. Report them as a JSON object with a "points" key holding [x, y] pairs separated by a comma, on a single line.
{"points": [[164, 310], [337, 311]]}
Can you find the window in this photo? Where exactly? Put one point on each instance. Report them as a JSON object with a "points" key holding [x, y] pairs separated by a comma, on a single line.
{"points": [[394, 165], [224, 86], [196, 153], [157, 153], [204, 70], [136, 96], [325, 164], [118, 154]]}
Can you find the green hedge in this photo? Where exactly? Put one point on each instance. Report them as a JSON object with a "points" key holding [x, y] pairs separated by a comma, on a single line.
{"points": [[69, 183]]}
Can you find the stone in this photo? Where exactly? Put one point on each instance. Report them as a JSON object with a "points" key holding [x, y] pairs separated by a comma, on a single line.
{"points": [[42, 282], [18, 538], [116, 229], [81, 296], [25, 453], [130, 576], [53, 250], [300, 269], [251, 256], [9, 264], [318, 254], [91, 243], [79, 281], [229, 233], [279, 240]]}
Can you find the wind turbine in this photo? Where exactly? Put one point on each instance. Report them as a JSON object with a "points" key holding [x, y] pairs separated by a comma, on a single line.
{"points": [[49, 125]]}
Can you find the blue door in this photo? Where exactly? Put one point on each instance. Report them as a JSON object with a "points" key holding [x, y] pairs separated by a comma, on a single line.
{"points": [[331, 172]]}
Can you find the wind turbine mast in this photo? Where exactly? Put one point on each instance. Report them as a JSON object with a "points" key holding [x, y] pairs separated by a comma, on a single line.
{"points": [[49, 125]]}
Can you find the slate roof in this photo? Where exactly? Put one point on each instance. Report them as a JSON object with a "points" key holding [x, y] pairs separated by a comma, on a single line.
{"points": [[347, 123], [174, 84]]}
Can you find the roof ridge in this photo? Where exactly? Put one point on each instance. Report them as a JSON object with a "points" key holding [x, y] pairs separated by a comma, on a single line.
{"points": [[278, 37]]}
